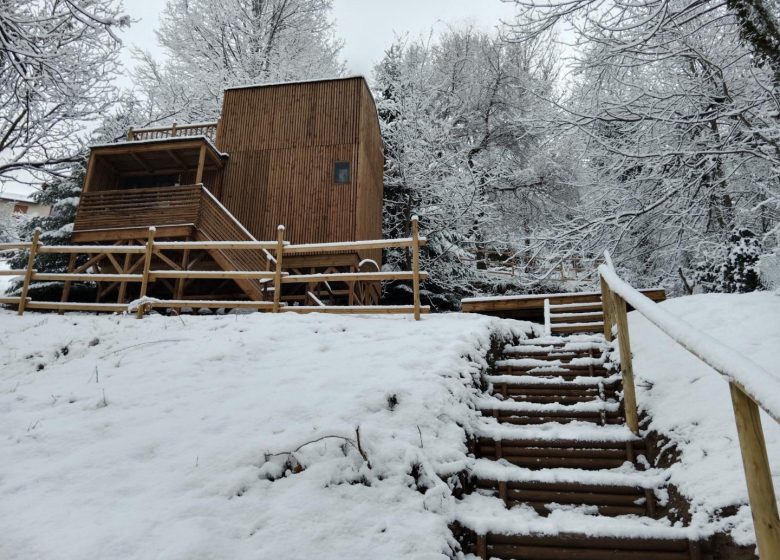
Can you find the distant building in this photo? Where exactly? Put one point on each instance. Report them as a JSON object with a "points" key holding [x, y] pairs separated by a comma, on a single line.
{"points": [[17, 203]]}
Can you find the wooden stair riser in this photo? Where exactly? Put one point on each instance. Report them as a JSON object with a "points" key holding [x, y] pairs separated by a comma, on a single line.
{"points": [[578, 547]]}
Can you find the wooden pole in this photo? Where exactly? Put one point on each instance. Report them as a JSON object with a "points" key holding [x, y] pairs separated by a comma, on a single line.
{"points": [[416, 266], [278, 273], [147, 265], [34, 245], [185, 258], [201, 165], [626, 365], [763, 504], [130, 134], [66, 286], [605, 309], [120, 297]]}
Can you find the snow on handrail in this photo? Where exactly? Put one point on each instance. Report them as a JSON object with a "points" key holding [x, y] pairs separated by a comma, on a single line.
{"points": [[755, 381]]}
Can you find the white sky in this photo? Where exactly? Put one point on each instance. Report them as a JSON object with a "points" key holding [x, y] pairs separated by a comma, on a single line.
{"points": [[367, 26]]}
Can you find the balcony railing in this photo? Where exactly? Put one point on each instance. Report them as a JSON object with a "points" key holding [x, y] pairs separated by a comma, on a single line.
{"points": [[207, 129]]}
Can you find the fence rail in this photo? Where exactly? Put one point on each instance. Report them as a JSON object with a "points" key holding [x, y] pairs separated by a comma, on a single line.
{"points": [[752, 388], [279, 249]]}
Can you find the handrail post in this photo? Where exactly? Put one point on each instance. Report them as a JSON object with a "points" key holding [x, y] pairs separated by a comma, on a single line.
{"points": [[605, 309], [626, 364], [278, 272], [147, 265], [547, 320], [761, 494], [416, 266], [34, 245]]}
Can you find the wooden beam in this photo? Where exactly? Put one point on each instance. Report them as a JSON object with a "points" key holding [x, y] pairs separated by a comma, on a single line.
{"points": [[416, 267], [142, 163], [763, 504], [66, 287], [201, 163], [147, 265], [279, 255], [626, 363], [90, 172], [28, 273]]}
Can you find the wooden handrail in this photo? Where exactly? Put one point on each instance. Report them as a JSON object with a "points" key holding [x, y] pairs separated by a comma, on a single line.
{"points": [[751, 387], [207, 129]]}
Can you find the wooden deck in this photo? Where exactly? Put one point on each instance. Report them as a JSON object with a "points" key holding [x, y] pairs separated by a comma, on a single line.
{"points": [[568, 312], [189, 212]]}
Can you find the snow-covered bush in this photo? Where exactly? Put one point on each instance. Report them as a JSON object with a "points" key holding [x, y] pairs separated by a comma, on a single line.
{"points": [[740, 270], [56, 228]]}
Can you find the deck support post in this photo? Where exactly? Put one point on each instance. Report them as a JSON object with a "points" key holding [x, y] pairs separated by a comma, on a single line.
{"points": [[201, 165], [626, 365], [185, 258], [278, 272], [147, 265], [34, 245], [66, 286], [416, 266], [120, 298], [761, 493]]}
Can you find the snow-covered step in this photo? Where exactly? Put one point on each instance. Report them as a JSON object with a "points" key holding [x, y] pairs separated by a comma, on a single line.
{"points": [[626, 475], [594, 317], [621, 491], [546, 408], [534, 380], [580, 445], [571, 533], [576, 307]]}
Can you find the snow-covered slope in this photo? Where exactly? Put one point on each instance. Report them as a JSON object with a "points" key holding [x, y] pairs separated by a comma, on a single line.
{"points": [[170, 438], [690, 404]]}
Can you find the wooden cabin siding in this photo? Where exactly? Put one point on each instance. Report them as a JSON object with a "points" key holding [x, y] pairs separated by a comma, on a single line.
{"points": [[370, 173], [284, 141], [293, 187]]}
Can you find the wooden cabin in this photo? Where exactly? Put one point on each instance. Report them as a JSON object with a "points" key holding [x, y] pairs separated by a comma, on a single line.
{"points": [[305, 155]]}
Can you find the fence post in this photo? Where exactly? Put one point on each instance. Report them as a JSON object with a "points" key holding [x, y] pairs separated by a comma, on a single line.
{"points": [[66, 285], [34, 244], [761, 494], [626, 365], [147, 265], [605, 309], [416, 266], [278, 272]]}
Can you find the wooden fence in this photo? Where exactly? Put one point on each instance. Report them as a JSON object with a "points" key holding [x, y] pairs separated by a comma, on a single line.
{"points": [[277, 276], [751, 388]]}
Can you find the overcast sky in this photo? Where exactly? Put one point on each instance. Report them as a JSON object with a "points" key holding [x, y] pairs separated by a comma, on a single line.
{"points": [[367, 26]]}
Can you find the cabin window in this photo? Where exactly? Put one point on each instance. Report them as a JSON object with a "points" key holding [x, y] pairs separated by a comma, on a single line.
{"points": [[341, 172], [20, 208]]}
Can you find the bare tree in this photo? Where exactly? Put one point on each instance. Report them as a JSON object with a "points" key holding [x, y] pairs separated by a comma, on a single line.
{"points": [[57, 62], [214, 44], [677, 118]]}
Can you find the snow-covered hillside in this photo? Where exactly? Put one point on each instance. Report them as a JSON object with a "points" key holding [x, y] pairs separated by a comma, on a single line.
{"points": [[170, 438], [690, 404]]}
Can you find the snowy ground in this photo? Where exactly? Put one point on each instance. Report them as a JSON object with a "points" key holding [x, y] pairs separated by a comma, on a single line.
{"points": [[170, 438], [690, 404], [4, 280]]}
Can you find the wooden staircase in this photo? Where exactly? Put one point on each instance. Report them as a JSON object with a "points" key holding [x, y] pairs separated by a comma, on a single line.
{"points": [[177, 212], [557, 473]]}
